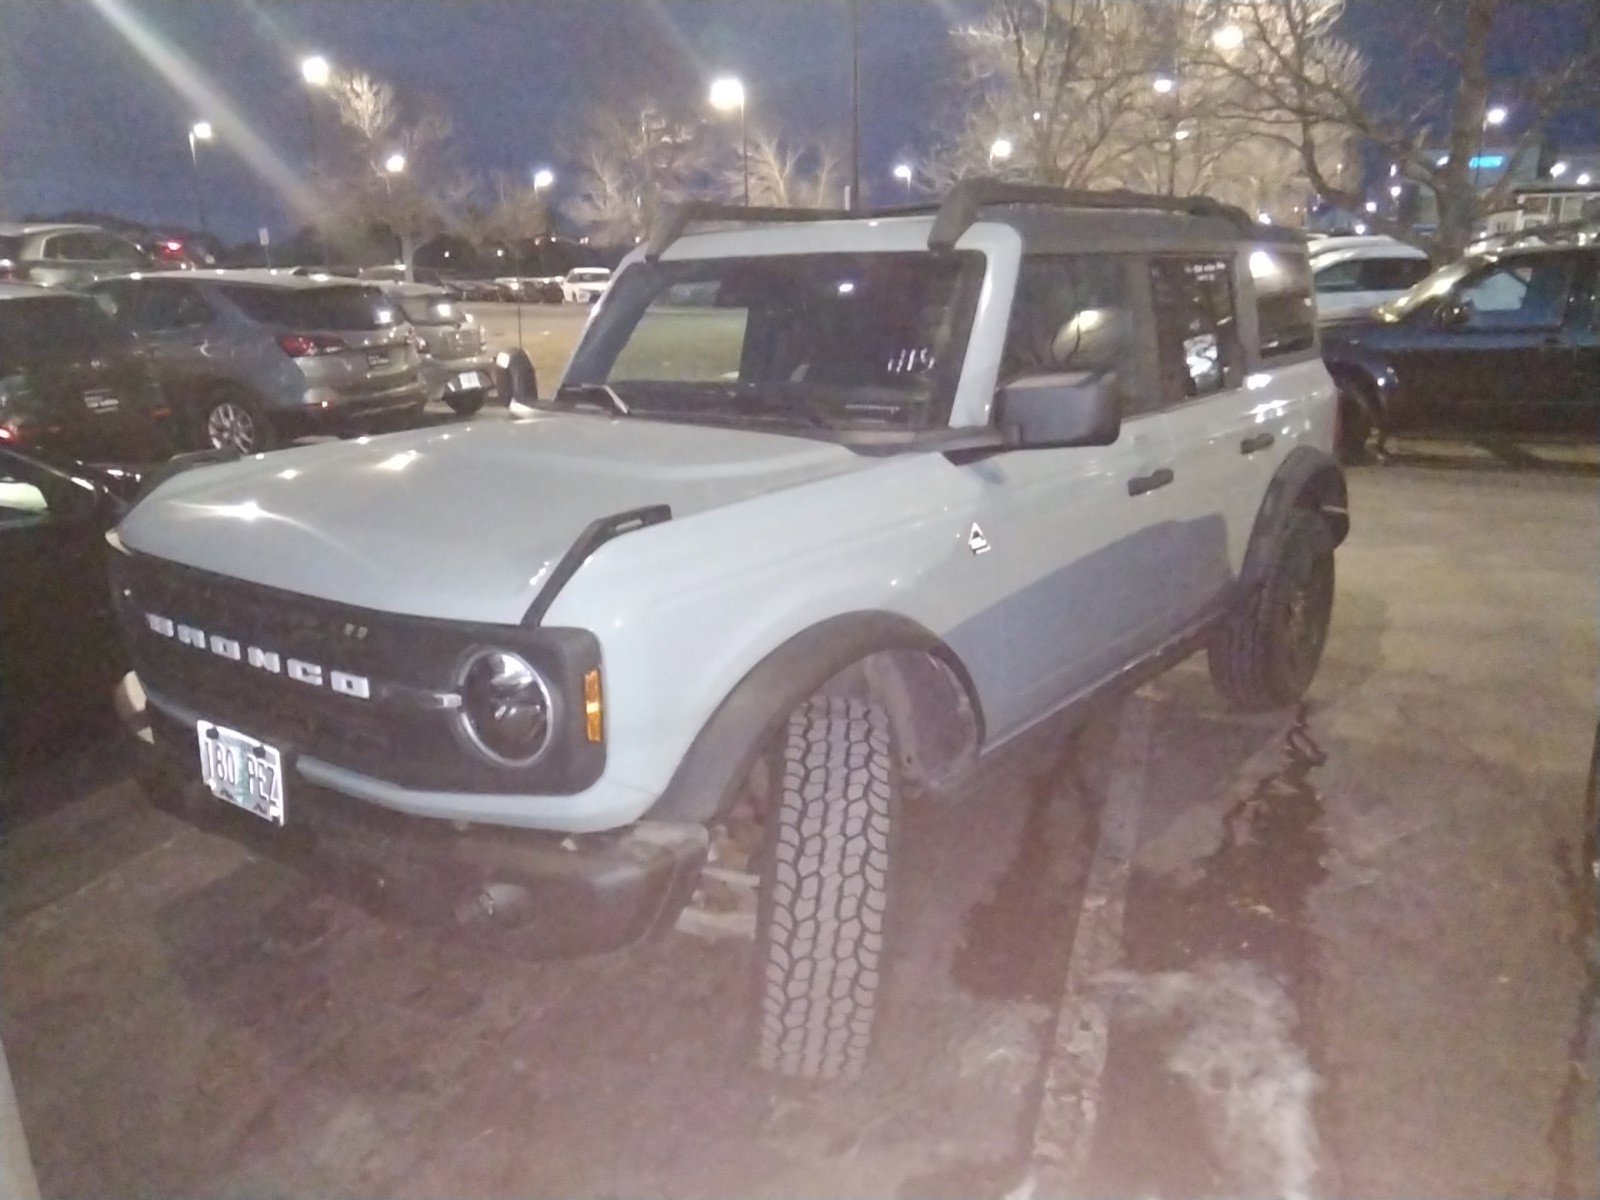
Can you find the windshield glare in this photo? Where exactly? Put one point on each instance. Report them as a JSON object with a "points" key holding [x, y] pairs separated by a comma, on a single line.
{"points": [[835, 340]]}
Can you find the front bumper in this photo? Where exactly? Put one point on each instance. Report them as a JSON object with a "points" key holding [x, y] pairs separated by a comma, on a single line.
{"points": [[540, 893]]}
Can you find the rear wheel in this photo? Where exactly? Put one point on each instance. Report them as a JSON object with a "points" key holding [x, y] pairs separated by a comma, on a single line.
{"points": [[826, 890], [464, 404], [1267, 652], [230, 419]]}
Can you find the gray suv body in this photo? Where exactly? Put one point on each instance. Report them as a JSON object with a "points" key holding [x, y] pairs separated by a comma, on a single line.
{"points": [[61, 255], [827, 509], [457, 367], [255, 358]]}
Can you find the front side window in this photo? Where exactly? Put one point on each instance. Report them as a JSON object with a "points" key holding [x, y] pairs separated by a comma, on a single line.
{"points": [[170, 306], [1526, 294], [1286, 313], [1197, 337], [1339, 277], [1071, 314], [833, 341]]}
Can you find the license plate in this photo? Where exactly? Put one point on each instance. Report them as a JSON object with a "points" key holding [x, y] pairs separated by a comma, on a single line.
{"points": [[469, 379], [101, 402], [377, 358], [241, 770]]}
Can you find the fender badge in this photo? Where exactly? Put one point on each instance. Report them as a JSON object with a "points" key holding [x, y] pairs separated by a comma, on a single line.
{"points": [[976, 542]]}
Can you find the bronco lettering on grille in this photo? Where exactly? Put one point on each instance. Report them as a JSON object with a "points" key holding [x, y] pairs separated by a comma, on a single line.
{"points": [[298, 669]]}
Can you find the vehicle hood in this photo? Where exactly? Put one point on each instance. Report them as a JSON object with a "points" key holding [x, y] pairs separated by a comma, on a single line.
{"points": [[1359, 330], [462, 522]]}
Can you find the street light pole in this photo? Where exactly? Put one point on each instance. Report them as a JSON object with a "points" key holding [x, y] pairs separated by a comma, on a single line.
{"points": [[855, 105], [200, 131], [744, 143]]}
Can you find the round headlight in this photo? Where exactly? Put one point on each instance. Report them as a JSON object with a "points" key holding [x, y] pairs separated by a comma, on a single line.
{"points": [[505, 707]]}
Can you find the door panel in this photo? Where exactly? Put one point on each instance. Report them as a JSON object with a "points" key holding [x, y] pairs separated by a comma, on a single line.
{"points": [[1079, 566]]}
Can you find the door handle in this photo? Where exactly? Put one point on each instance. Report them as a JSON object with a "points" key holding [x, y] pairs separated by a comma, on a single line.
{"points": [[1140, 484], [1255, 442]]}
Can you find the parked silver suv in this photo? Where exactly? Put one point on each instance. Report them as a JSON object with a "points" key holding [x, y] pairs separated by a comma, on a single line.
{"points": [[59, 255], [827, 509], [456, 364], [254, 358]]}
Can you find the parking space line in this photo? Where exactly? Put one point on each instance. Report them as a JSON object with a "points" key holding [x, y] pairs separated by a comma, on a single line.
{"points": [[1064, 1129]]}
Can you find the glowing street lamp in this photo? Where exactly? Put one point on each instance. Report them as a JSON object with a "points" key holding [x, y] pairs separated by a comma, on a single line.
{"points": [[395, 163], [727, 94], [314, 69], [543, 178], [1557, 170], [200, 131], [1228, 37], [1496, 116], [903, 173], [1000, 150], [1492, 119], [1164, 85]]}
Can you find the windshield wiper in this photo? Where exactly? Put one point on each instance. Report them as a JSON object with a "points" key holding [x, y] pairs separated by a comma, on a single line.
{"points": [[601, 394]]}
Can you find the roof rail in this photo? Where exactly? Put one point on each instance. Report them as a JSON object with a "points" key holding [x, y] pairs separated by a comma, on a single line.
{"points": [[680, 216], [968, 196]]}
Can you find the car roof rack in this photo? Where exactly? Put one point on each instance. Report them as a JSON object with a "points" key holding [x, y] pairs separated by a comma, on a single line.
{"points": [[969, 196], [680, 216], [960, 208]]}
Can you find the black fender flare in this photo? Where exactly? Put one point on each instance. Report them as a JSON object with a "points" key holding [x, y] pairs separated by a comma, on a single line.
{"points": [[1371, 373], [1307, 478], [722, 754]]}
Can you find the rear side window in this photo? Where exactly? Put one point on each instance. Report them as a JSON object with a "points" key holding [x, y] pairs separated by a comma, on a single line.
{"points": [[1286, 313], [91, 246], [41, 328], [1197, 336], [10, 248], [1520, 294], [1392, 274], [352, 308], [170, 306]]}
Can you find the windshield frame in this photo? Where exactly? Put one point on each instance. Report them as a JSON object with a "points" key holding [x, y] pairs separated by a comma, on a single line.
{"points": [[1430, 288], [595, 354]]}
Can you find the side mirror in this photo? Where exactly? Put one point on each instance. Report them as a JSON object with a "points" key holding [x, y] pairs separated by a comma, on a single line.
{"points": [[1453, 314], [1059, 410], [21, 505]]}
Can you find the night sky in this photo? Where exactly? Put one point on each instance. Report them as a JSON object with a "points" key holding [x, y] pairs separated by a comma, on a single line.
{"points": [[87, 122]]}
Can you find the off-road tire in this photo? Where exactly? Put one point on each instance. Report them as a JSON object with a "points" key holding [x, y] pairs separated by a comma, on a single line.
{"points": [[465, 404], [1266, 653], [826, 890]]}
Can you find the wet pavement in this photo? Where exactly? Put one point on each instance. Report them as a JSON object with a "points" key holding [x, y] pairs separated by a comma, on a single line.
{"points": [[1357, 958]]}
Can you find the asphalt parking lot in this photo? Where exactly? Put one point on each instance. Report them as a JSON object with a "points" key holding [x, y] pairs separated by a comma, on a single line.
{"points": [[1347, 951]]}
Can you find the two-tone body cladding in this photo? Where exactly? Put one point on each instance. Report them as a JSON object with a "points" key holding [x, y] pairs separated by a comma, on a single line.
{"points": [[824, 509]]}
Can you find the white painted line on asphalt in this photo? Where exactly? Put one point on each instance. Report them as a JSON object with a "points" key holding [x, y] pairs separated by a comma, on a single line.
{"points": [[1064, 1130]]}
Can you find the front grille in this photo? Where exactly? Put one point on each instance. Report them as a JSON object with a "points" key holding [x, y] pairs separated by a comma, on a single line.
{"points": [[391, 734]]}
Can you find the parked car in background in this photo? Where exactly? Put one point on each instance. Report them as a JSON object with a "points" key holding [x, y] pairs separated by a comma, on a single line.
{"points": [[456, 364], [1353, 275], [69, 256], [532, 289], [59, 648], [255, 357], [585, 285], [474, 290], [1503, 343], [393, 273], [73, 385]]}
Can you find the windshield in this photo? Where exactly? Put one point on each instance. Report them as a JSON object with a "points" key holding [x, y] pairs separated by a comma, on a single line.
{"points": [[39, 329], [826, 340], [351, 308], [1434, 286]]}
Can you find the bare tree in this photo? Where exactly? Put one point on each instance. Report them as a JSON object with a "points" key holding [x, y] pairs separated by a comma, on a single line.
{"points": [[1297, 81], [634, 160], [1064, 92], [785, 173], [388, 167]]}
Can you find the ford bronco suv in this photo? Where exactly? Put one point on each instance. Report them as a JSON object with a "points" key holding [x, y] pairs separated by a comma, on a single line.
{"points": [[826, 508]]}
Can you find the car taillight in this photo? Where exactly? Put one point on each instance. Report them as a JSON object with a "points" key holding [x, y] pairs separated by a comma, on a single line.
{"points": [[10, 272], [309, 345]]}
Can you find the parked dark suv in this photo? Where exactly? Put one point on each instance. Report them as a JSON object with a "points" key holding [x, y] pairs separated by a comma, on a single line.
{"points": [[73, 385], [1505, 343]]}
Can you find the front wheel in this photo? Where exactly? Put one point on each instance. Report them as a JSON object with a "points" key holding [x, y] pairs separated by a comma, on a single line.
{"points": [[826, 890], [1266, 653]]}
